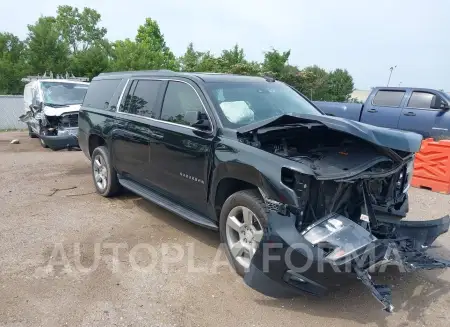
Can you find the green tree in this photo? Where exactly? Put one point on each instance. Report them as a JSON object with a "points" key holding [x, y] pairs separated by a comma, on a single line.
{"points": [[314, 82], [90, 62], [340, 85], [190, 61], [209, 63], [234, 56], [231, 61], [78, 28], [246, 68], [275, 62], [73, 41], [12, 64], [148, 51], [47, 51]]}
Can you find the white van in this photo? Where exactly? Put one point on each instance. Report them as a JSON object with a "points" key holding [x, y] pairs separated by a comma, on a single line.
{"points": [[51, 110]]}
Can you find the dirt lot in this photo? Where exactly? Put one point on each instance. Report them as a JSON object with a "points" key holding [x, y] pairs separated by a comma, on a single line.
{"points": [[49, 214]]}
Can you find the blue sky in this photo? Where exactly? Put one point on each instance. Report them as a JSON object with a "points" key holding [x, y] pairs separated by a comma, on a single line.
{"points": [[364, 37]]}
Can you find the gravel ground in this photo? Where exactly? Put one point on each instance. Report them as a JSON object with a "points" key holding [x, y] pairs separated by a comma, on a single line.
{"points": [[49, 213]]}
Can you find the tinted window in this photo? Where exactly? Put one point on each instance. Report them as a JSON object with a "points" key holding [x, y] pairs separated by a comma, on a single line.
{"points": [[100, 92], [420, 100], [388, 98], [141, 98], [180, 98]]}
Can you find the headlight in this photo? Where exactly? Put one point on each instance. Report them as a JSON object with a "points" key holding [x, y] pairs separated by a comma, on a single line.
{"points": [[338, 236]]}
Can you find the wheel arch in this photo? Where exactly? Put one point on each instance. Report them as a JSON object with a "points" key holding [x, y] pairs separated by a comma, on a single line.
{"points": [[231, 177], [95, 141]]}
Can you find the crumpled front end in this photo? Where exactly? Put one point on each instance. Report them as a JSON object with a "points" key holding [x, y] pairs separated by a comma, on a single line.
{"points": [[57, 132], [289, 261], [347, 185]]}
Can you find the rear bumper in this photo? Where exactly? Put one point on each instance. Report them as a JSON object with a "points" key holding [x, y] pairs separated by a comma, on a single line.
{"points": [[60, 142], [286, 264]]}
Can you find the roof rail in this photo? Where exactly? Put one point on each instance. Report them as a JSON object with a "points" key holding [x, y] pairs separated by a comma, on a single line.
{"points": [[138, 71], [70, 77]]}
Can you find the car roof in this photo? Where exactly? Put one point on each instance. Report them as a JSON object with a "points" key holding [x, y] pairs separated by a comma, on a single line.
{"points": [[205, 77], [405, 88]]}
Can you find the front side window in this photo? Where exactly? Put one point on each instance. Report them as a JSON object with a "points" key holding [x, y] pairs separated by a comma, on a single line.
{"points": [[63, 93], [420, 100], [179, 99], [141, 98], [388, 98], [242, 103]]}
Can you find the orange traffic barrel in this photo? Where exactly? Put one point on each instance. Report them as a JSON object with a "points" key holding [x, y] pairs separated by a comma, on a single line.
{"points": [[432, 166]]}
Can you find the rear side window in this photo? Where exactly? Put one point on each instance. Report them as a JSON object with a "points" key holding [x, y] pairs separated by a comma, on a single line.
{"points": [[420, 100], [100, 92], [141, 98], [388, 98], [180, 98]]}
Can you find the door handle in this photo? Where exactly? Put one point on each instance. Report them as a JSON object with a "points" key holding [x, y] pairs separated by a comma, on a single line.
{"points": [[410, 113], [372, 111]]}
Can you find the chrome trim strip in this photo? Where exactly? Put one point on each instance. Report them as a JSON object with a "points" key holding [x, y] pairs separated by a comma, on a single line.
{"points": [[159, 120], [121, 95]]}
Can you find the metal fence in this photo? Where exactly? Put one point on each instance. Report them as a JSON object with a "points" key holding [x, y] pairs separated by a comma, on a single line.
{"points": [[11, 107]]}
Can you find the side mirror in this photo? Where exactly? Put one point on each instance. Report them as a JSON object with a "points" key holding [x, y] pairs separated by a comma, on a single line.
{"points": [[438, 103], [198, 120]]}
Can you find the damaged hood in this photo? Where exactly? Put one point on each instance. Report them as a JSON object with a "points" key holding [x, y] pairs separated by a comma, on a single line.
{"points": [[58, 111], [384, 137]]}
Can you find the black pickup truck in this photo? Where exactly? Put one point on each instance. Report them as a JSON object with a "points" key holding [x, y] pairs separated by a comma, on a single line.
{"points": [[297, 196]]}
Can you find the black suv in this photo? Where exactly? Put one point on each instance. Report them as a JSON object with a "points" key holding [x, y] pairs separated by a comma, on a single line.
{"points": [[283, 183]]}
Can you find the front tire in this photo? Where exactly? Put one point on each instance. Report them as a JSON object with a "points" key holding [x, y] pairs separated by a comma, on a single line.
{"points": [[104, 175], [31, 133], [42, 131], [243, 220], [42, 142]]}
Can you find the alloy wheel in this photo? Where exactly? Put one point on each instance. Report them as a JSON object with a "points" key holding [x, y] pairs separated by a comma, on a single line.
{"points": [[243, 233], [100, 172]]}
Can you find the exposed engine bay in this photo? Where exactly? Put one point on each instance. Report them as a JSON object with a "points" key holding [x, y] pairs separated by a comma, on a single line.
{"points": [[341, 167], [351, 196]]}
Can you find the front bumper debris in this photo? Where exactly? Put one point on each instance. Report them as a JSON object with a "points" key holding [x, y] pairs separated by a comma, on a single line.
{"points": [[59, 142], [289, 262]]}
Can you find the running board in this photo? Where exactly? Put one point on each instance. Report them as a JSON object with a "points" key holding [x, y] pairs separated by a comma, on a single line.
{"points": [[162, 201]]}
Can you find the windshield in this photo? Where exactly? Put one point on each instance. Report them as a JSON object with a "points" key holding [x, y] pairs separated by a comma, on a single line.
{"points": [[61, 93], [245, 103]]}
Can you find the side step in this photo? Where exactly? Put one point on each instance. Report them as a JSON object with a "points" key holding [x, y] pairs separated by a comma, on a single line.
{"points": [[168, 204]]}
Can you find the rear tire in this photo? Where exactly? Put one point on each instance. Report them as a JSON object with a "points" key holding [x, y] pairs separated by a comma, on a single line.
{"points": [[243, 221], [103, 173]]}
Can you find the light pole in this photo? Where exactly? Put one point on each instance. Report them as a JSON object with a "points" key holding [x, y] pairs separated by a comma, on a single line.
{"points": [[390, 74]]}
